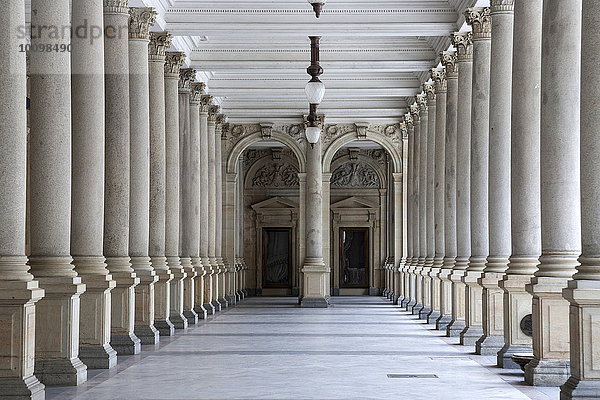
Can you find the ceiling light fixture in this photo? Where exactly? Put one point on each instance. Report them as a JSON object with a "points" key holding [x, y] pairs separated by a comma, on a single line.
{"points": [[315, 91], [317, 5]]}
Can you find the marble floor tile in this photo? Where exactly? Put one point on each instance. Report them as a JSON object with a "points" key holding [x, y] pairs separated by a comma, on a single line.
{"points": [[268, 348]]}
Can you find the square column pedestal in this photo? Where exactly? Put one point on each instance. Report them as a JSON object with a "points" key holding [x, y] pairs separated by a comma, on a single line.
{"points": [[17, 352], [316, 285]]}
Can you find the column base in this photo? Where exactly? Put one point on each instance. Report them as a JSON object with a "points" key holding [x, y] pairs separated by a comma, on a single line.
{"points": [[455, 328], [210, 309], [191, 316], [61, 372], [165, 327], [216, 305], [410, 305], [29, 388], [98, 357], [405, 303], [125, 344], [442, 323], [489, 345], [179, 321], [504, 359], [547, 372], [433, 316], [416, 309], [314, 302], [224, 303], [231, 299], [424, 312], [397, 300], [580, 390], [201, 311], [147, 334], [470, 336]]}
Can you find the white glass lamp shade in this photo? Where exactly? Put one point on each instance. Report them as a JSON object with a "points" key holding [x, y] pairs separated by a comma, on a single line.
{"points": [[315, 91], [317, 1], [312, 134]]}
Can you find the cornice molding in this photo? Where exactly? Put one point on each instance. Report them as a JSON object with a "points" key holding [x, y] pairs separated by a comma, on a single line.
{"points": [[308, 11]]}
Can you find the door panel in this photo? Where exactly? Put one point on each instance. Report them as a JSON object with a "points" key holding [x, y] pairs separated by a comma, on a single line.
{"points": [[354, 254], [277, 258]]}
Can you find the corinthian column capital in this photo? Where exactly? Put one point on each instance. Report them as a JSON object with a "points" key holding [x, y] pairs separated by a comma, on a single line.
{"points": [[429, 89], [159, 43], [173, 62], [481, 21], [186, 77], [141, 19], [449, 60], [501, 6], [415, 112], [408, 120], [116, 6], [198, 90], [213, 113], [404, 129], [463, 42], [205, 103], [439, 77], [221, 121], [422, 102]]}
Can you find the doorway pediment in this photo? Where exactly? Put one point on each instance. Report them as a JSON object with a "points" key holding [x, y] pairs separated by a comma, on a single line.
{"points": [[275, 203], [354, 203]]}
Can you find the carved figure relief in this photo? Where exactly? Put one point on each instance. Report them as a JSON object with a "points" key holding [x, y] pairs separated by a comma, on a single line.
{"points": [[355, 175], [274, 175]]}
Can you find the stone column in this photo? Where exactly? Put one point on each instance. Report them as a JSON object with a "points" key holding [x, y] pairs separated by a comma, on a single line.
{"points": [[140, 21], [229, 242], [583, 291], [116, 185], [492, 340], [431, 295], [464, 46], [18, 291], [57, 362], [186, 77], [560, 190], [407, 267], [195, 190], [416, 153], [87, 197], [441, 86], [525, 180], [173, 63], [423, 268], [448, 183], [159, 43], [481, 22], [213, 113], [221, 119], [315, 290], [206, 289]]}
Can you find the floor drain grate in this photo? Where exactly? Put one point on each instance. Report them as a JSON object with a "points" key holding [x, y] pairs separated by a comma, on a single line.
{"points": [[414, 376]]}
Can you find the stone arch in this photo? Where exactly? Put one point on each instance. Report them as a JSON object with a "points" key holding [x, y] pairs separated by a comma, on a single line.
{"points": [[349, 137], [247, 141]]}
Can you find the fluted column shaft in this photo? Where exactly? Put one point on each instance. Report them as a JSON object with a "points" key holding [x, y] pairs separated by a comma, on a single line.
{"points": [[174, 61], [525, 178], [140, 21], [56, 362], [480, 20], [560, 190], [204, 297], [420, 295], [499, 206], [186, 221], [159, 42], [584, 291], [219, 213], [430, 294], [87, 198], [213, 112], [117, 180], [18, 291], [407, 268], [464, 46], [315, 289]]}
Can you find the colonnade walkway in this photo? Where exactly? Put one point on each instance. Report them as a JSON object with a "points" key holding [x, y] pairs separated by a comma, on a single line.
{"points": [[268, 348]]}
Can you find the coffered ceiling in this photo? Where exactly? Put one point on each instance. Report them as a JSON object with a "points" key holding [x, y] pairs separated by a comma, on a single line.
{"points": [[254, 54]]}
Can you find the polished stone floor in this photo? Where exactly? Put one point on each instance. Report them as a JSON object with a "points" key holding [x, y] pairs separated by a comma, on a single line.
{"points": [[267, 348]]}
